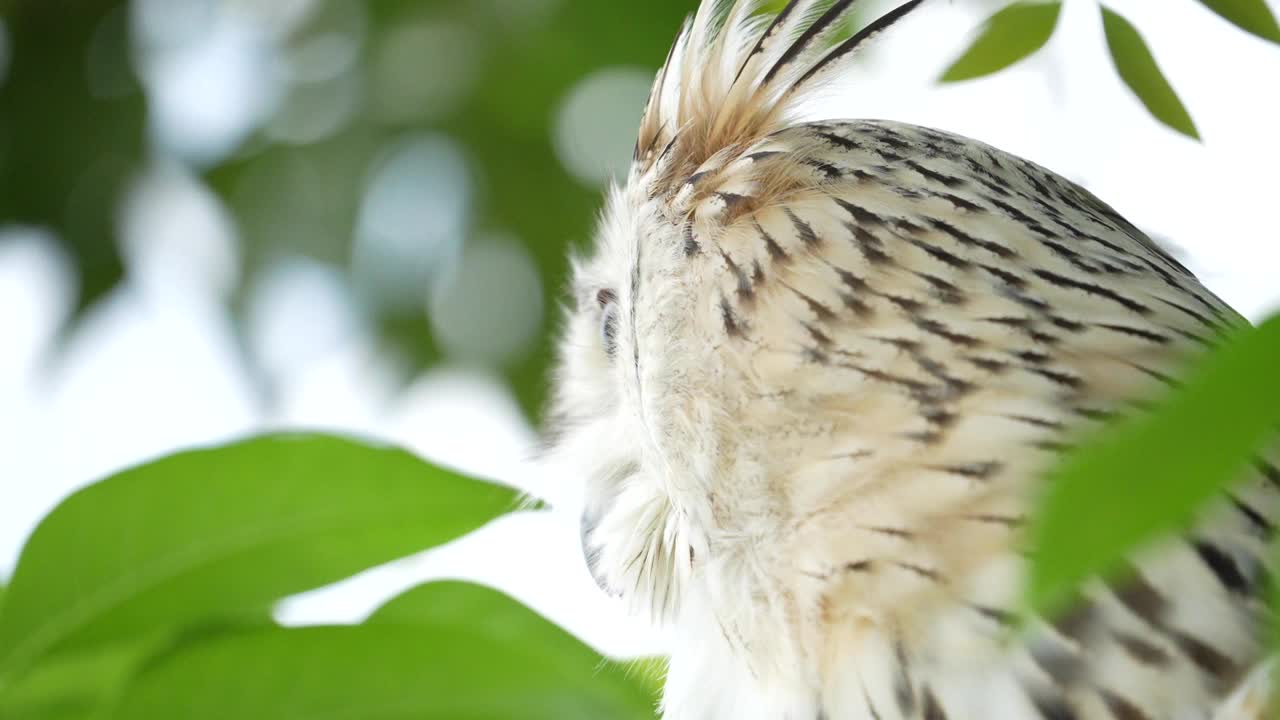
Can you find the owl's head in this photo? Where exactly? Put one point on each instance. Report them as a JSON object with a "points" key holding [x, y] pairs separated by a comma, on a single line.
{"points": [[632, 411], [652, 399]]}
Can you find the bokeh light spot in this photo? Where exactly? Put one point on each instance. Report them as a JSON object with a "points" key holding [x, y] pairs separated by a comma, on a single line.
{"points": [[489, 310], [596, 128], [212, 76], [412, 220], [299, 310], [424, 70], [159, 24], [323, 57], [204, 257], [315, 111]]}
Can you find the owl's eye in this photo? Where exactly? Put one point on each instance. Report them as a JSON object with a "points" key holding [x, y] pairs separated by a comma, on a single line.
{"points": [[608, 301]]}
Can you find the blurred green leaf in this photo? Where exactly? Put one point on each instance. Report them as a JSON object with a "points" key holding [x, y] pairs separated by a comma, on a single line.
{"points": [[1252, 16], [87, 683], [1009, 35], [1138, 69], [1151, 472], [71, 129], [222, 533], [451, 651], [74, 685]]}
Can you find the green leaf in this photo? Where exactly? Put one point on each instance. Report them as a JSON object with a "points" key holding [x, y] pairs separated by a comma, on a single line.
{"points": [[506, 623], [87, 683], [1252, 16], [218, 534], [1008, 36], [1149, 473], [74, 685], [1138, 69], [447, 651]]}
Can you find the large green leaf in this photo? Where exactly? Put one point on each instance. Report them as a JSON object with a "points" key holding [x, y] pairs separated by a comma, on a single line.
{"points": [[74, 685], [1249, 15], [1138, 69], [1008, 36], [222, 533], [447, 651], [1150, 472], [87, 682]]}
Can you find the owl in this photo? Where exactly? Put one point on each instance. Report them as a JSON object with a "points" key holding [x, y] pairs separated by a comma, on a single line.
{"points": [[813, 374]]}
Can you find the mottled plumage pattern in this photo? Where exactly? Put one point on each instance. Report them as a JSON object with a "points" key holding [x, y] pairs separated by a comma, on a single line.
{"points": [[813, 376]]}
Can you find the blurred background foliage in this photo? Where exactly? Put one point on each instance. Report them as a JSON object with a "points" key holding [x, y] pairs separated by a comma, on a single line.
{"points": [[441, 156], [436, 157]]}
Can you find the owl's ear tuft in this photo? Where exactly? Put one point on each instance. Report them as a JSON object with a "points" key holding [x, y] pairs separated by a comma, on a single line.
{"points": [[734, 76]]}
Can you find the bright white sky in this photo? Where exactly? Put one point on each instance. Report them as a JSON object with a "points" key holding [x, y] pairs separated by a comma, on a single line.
{"points": [[155, 369]]}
